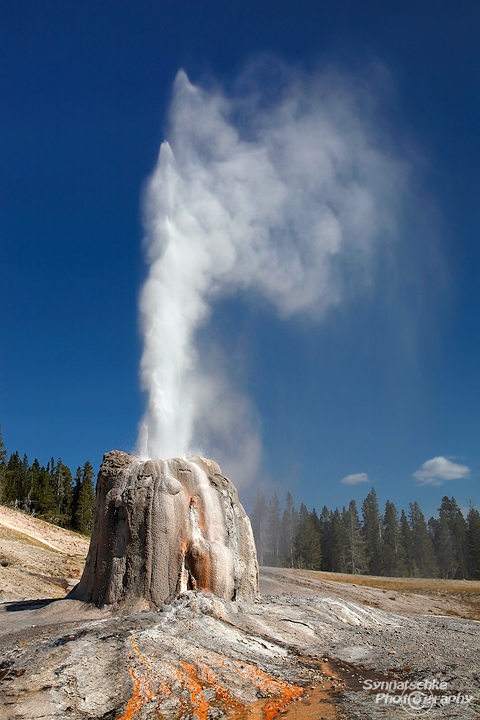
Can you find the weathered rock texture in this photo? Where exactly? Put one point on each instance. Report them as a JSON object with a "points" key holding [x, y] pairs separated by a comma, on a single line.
{"points": [[163, 527]]}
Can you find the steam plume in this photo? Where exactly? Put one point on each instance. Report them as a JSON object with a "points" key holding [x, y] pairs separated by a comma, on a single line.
{"points": [[281, 188]]}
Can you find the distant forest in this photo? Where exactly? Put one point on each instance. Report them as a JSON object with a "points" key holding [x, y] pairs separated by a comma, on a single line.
{"points": [[388, 544], [50, 492]]}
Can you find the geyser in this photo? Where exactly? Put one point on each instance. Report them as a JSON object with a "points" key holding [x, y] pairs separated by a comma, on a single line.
{"points": [[285, 190], [163, 527]]}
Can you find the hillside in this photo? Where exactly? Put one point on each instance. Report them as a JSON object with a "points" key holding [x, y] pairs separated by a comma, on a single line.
{"points": [[37, 559]]}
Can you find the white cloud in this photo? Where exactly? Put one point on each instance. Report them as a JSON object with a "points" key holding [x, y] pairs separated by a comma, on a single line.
{"points": [[355, 479], [437, 470]]}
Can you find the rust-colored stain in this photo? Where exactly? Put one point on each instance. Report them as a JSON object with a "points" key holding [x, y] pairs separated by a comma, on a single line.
{"points": [[142, 691], [283, 692], [191, 682], [136, 701], [154, 680]]}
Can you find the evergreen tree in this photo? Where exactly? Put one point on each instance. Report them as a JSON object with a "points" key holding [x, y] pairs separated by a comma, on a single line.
{"points": [[25, 484], [326, 539], [406, 542], [423, 552], [449, 534], [62, 478], [307, 542], [259, 525], [85, 500], [339, 542], [393, 552], [3, 465], [45, 495], [13, 487], [274, 531], [473, 544], [289, 532], [372, 530], [77, 484], [26, 490], [35, 473], [3, 452], [355, 544]]}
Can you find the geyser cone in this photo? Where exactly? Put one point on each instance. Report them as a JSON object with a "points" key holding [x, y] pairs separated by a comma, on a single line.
{"points": [[163, 527]]}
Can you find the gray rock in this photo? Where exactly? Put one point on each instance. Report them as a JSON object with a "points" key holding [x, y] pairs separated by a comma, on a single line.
{"points": [[163, 527]]}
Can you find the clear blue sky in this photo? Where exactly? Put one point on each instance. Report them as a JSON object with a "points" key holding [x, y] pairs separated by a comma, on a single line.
{"points": [[85, 89]]}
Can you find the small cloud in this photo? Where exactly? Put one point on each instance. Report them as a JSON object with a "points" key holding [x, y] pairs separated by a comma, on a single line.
{"points": [[437, 470], [355, 479]]}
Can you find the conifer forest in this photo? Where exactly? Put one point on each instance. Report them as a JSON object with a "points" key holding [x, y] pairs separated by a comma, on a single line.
{"points": [[393, 543]]}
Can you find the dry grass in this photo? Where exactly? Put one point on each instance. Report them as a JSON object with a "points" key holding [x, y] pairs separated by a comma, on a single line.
{"points": [[17, 536], [403, 585]]}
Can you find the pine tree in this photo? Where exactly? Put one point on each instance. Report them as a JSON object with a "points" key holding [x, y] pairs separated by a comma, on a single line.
{"points": [[423, 552], [3, 465], [13, 480], [406, 542], [355, 544], [442, 543], [64, 493], [372, 530], [46, 499], [35, 473], [289, 532], [274, 531], [316, 524], [27, 486], [449, 534], [307, 542], [473, 544], [85, 500], [339, 542], [259, 525], [326, 539], [393, 553], [3, 452], [77, 484]]}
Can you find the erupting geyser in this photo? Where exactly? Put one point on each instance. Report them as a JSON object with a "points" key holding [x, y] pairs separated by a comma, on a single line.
{"points": [[283, 193], [163, 527]]}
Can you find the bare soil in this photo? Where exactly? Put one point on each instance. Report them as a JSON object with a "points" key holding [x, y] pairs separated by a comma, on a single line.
{"points": [[37, 559]]}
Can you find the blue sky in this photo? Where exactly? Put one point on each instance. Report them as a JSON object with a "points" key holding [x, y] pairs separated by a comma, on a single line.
{"points": [[383, 382]]}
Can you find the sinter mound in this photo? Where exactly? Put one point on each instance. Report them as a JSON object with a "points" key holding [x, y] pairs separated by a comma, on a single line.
{"points": [[163, 527]]}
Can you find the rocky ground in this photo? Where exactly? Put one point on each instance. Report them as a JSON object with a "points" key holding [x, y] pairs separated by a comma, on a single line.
{"points": [[311, 647]]}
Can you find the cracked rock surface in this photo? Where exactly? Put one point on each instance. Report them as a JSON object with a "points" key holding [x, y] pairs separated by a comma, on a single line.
{"points": [[200, 657]]}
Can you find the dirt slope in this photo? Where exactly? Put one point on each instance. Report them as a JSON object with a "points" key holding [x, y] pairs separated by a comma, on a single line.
{"points": [[37, 559]]}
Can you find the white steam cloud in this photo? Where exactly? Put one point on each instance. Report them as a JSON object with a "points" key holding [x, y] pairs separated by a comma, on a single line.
{"points": [[282, 189]]}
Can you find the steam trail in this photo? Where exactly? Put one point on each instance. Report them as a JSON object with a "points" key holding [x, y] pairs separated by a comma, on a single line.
{"points": [[289, 197]]}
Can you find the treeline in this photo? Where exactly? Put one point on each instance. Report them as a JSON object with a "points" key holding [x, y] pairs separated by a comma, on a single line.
{"points": [[390, 544], [48, 492]]}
